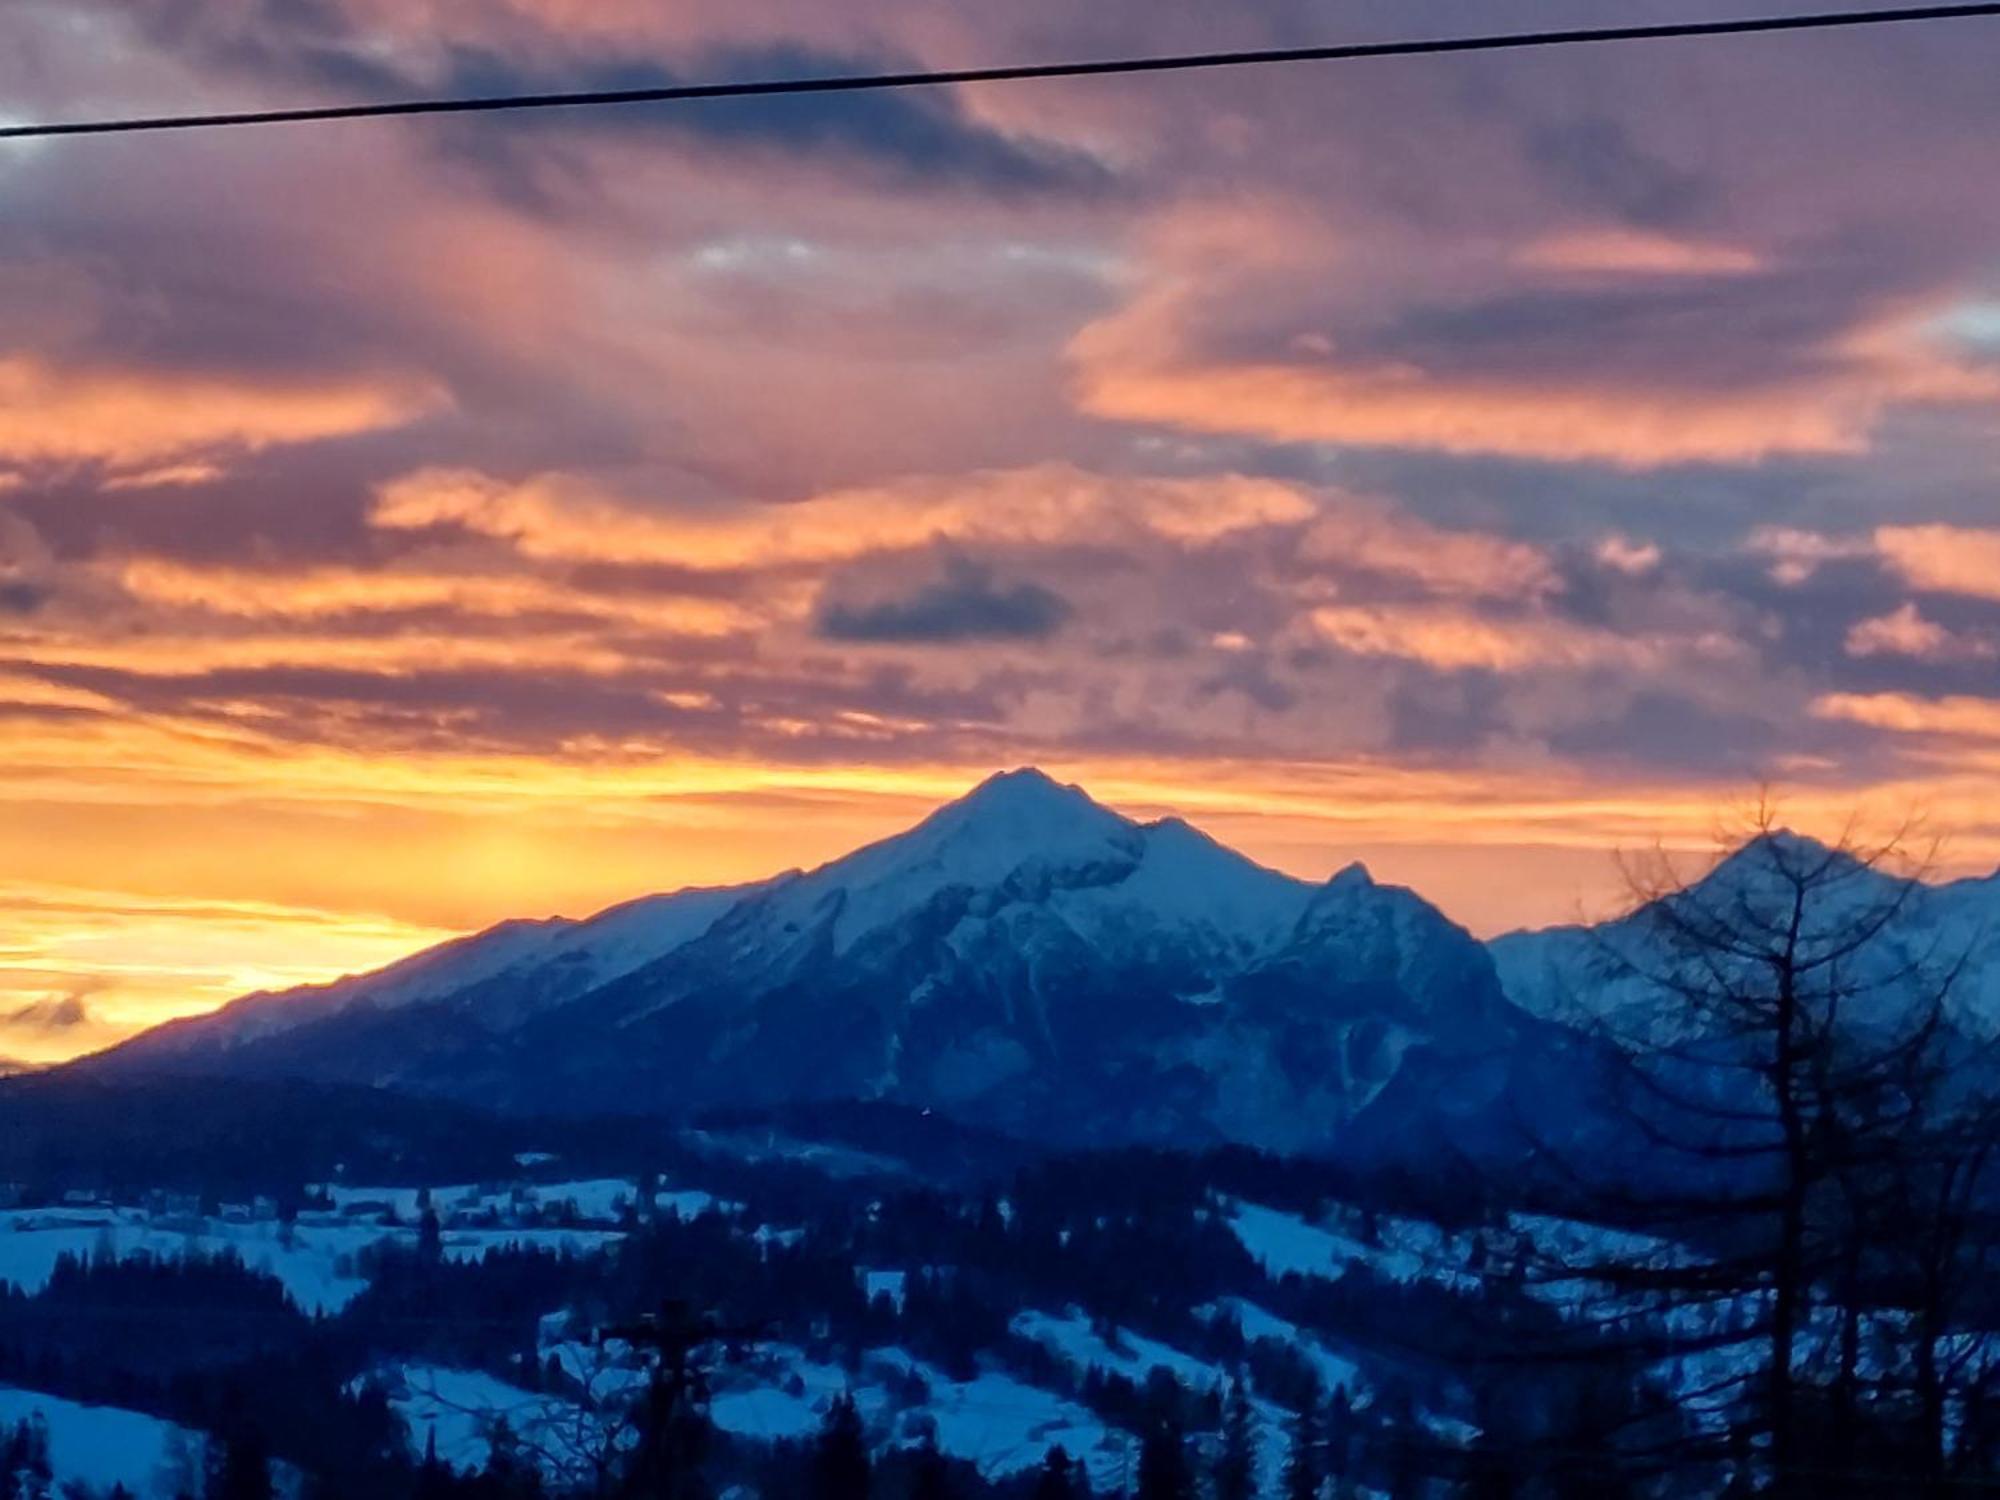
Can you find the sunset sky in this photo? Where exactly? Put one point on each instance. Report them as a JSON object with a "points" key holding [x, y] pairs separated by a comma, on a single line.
{"points": [[1465, 464]]}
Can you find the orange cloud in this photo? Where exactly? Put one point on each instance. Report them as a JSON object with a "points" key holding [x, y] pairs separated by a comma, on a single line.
{"points": [[1623, 555], [1905, 632], [1635, 252], [330, 592], [1796, 554], [1453, 639], [1905, 713], [1143, 363], [1467, 564], [173, 654], [1944, 559], [1403, 406], [555, 518], [130, 419]]}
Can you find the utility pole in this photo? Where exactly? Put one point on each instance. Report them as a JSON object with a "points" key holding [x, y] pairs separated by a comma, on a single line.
{"points": [[673, 1426]]}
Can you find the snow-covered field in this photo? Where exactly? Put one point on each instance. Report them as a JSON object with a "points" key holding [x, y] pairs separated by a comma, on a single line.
{"points": [[1134, 1356], [997, 1423], [771, 1392], [321, 1264], [460, 1411], [1403, 1250], [1336, 1372], [316, 1266], [102, 1446]]}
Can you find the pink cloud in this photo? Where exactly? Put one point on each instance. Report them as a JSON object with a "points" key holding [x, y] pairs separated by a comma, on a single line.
{"points": [[1905, 631]]}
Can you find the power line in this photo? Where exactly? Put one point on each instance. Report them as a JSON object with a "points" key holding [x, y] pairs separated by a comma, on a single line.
{"points": [[1012, 73]]}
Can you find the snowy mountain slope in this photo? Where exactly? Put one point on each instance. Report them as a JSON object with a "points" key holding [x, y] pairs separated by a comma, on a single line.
{"points": [[497, 976], [1600, 975], [1024, 958]]}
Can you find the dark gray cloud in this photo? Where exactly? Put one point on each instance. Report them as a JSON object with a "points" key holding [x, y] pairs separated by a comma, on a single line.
{"points": [[62, 1014], [1664, 729], [19, 596], [924, 138], [1596, 162], [967, 604]]}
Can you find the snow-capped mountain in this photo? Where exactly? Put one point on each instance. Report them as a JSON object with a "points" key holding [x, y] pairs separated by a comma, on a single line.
{"points": [[1024, 957], [492, 980], [1928, 934]]}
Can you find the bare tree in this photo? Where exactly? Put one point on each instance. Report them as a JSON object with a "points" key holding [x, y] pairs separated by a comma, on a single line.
{"points": [[1815, 1142]]}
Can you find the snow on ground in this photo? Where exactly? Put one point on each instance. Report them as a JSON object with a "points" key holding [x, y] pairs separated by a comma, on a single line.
{"points": [[1336, 1372], [691, 1203], [890, 1284], [102, 1446], [778, 1393], [1135, 1357], [998, 1423], [830, 1157], [476, 1244], [460, 1409], [1406, 1249], [603, 1372], [319, 1265], [1003, 1426], [316, 1266]]}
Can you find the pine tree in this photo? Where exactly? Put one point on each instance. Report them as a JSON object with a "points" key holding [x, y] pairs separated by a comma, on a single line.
{"points": [[1304, 1477], [1236, 1467], [1057, 1480], [24, 1460], [239, 1468], [840, 1468], [932, 1479], [1163, 1463], [430, 1237], [433, 1479]]}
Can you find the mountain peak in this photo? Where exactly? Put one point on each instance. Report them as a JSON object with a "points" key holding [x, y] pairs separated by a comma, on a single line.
{"points": [[1025, 809], [1351, 876], [1781, 852], [1024, 787]]}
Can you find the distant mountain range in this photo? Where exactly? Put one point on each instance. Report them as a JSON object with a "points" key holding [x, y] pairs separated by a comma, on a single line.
{"points": [[1024, 959]]}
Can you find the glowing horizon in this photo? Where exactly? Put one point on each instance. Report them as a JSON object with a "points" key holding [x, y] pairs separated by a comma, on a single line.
{"points": [[1473, 469]]}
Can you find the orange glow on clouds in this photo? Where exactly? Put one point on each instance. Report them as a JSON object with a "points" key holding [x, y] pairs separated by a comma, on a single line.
{"points": [[1905, 713], [127, 419], [1947, 559], [402, 530], [1635, 252], [1141, 363], [551, 519]]}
